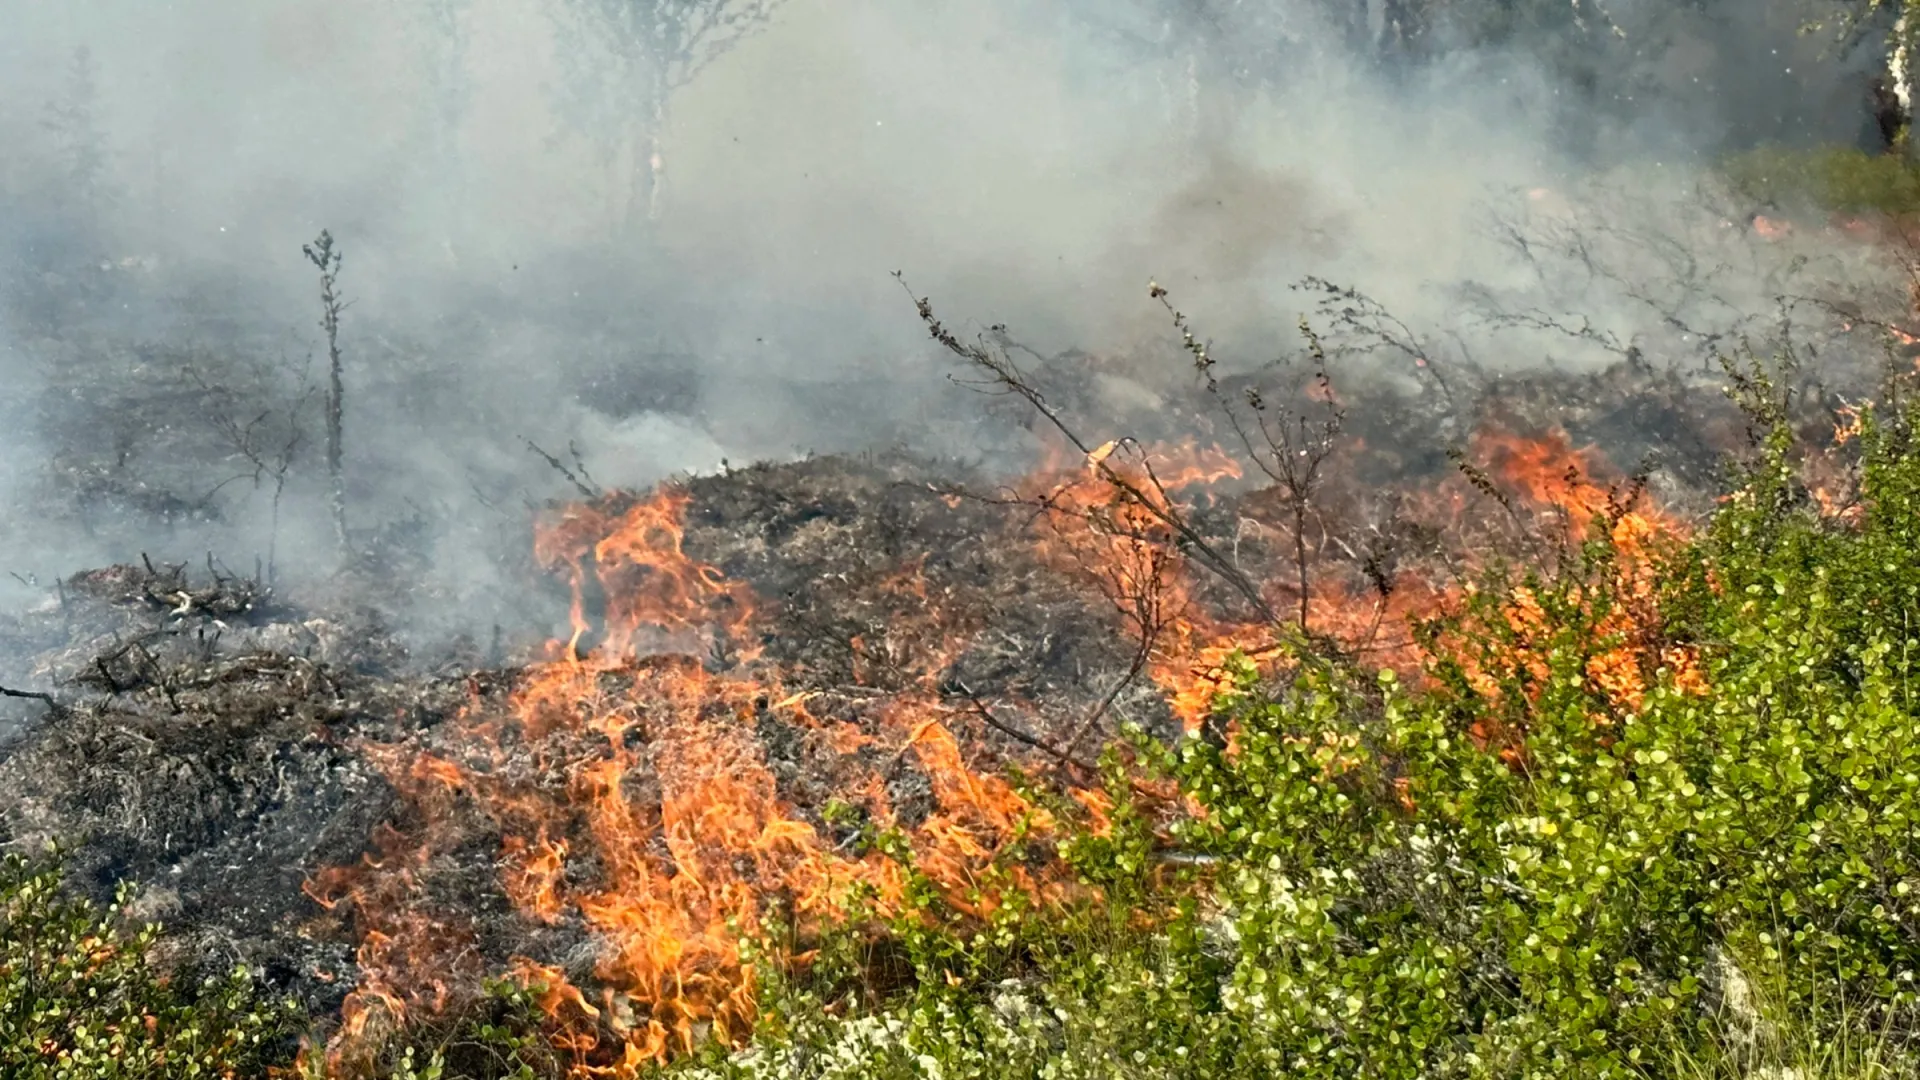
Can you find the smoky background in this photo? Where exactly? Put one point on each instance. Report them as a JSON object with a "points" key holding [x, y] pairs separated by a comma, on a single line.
{"points": [[518, 273]]}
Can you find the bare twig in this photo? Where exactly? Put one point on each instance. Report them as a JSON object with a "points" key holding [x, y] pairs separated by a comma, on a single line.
{"points": [[34, 695], [1060, 754], [1294, 449], [271, 442], [1371, 321], [1000, 375], [327, 258], [1141, 598], [580, 480]]}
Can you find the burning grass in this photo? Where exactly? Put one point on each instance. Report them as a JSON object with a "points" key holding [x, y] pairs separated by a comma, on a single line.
{"points": [[631, 784], [1171, 753], [1623, 775], [634, 798]]}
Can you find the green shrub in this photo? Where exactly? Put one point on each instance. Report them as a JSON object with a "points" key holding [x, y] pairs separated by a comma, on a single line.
{"points": [[1381, 893], [79, 997]]}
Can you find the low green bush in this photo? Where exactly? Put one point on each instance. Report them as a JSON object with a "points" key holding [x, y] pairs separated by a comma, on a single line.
{"points": [[79, 996], [1379, 891]]}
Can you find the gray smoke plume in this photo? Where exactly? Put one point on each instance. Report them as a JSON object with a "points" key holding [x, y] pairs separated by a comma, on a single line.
{"points": [[1032, 165]]}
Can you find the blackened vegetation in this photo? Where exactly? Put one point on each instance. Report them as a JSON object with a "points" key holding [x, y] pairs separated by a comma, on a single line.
{"points": [[202, 746]]}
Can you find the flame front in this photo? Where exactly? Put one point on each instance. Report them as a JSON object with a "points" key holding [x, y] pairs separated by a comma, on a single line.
{"points": [[628, 788], [635, 802], [1554, 478]]}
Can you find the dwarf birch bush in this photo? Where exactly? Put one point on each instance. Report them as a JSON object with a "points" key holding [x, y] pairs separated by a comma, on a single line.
{"points": [[79, 998], [1503, 871]]}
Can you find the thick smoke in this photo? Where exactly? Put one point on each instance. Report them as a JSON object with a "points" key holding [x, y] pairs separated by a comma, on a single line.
{"points": [[1033, 165]]}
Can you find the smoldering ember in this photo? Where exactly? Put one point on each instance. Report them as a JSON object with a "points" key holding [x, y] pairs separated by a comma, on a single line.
{"points": [[597, 538]]}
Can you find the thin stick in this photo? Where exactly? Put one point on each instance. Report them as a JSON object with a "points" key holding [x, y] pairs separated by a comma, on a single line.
{"points": [[986, 713], [34, 695]]}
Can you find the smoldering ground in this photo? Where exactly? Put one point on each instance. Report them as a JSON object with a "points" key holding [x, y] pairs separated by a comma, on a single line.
{"points": [[1027, 165]]}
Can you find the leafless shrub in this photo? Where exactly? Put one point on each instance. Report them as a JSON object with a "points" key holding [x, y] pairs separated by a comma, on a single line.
{"points": [[1149, 528], [269, 437], [326, 257], [996, 373], [1294, 444], [1700, 264], [1359, 324]]}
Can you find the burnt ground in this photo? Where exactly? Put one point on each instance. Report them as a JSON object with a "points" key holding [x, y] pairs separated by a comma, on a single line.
{"points": [[206, 737], [204, 740]]}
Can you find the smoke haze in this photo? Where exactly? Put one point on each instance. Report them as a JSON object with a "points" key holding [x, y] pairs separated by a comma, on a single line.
{"points": [[1026, 164]]}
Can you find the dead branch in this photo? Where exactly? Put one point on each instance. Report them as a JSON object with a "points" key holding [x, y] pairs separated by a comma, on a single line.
{"points": [[52, 705], [1295, 449], [271, 442], [1002, 376], [1141, 599], [580, 481], [1371, 321], [1061, 754], [1538, 319], [326, 257]]}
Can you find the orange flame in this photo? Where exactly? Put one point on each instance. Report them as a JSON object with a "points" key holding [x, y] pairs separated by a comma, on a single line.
{"points": [[635, 799], [1553, 476]]}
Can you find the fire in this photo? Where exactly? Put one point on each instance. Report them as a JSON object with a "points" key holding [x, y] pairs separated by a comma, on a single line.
{"points": [[651, 587], [1547, 471], [635, 801], [629, 791], [1111, 522], [1553, 477]]}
